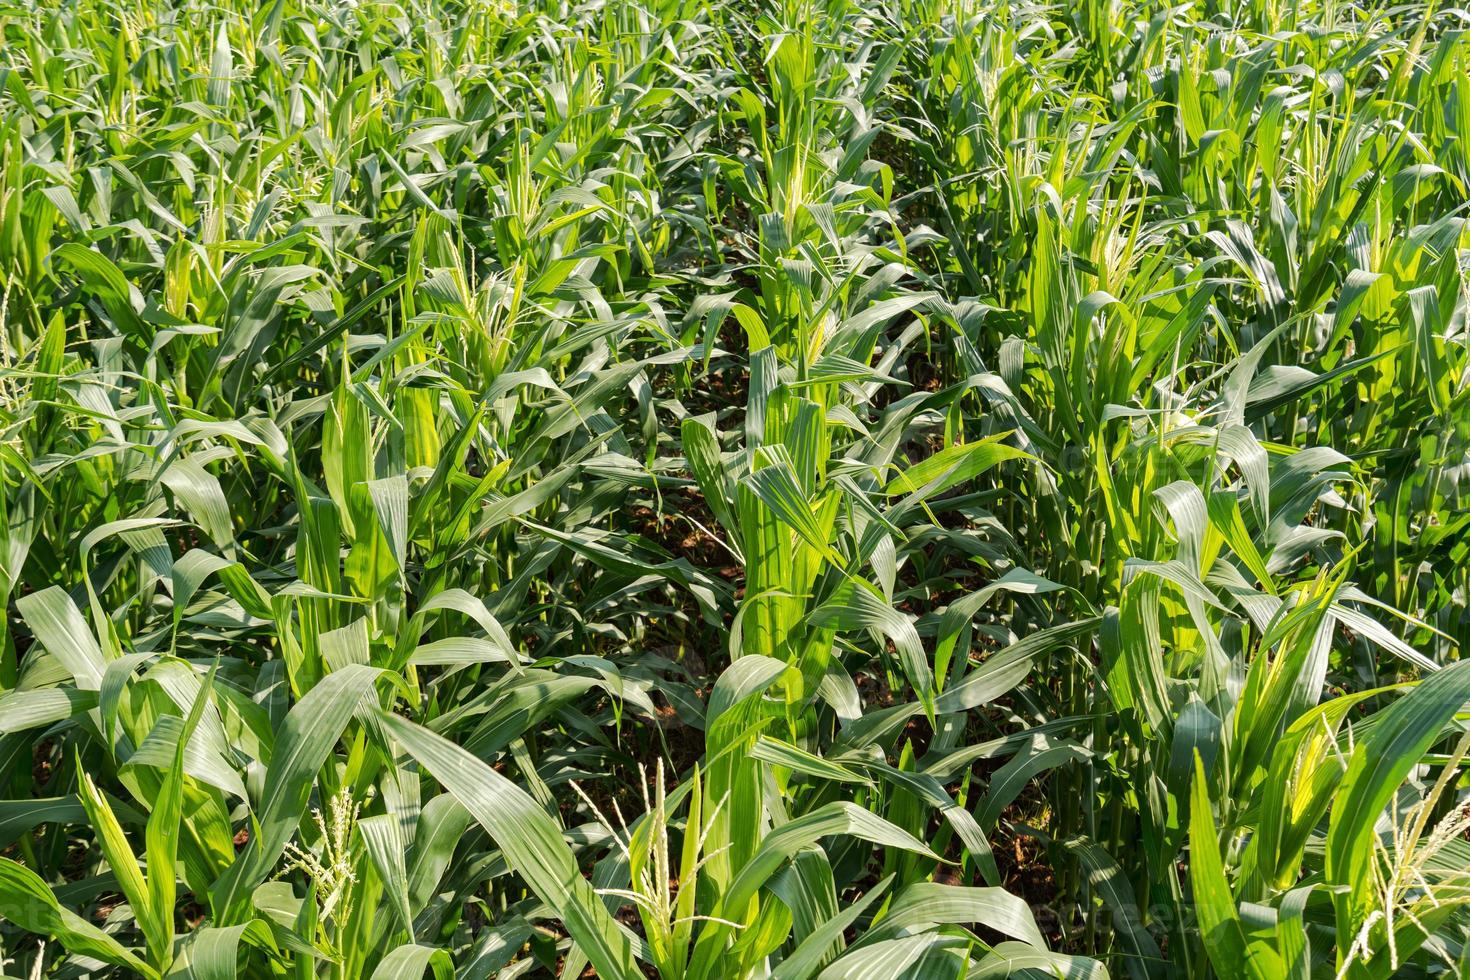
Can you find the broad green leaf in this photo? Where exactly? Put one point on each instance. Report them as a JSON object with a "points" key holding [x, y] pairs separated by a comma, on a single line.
{"points": [[531, 840], [303, 745], [26, 901]]}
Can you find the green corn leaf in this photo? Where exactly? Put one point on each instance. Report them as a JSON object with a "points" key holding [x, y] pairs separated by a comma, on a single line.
{"points": [[1379, 763], [530, 839], [19, 816], [775, 484], [23, 710], [124, 864], [929, 903], [213, 953], [59, 627], [410, 961], [816, 950], [1224, 935], [779, 753], [106, 281], [162, 835], [382, 837], [26, 901], [302, 746], [953, 466]]}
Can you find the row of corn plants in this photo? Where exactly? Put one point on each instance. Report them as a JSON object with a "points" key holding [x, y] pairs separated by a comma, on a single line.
{"points": [[793, 489]]}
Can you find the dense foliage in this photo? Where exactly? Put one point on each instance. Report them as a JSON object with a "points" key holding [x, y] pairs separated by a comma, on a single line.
{"points": [[775, 489]]}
